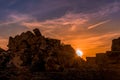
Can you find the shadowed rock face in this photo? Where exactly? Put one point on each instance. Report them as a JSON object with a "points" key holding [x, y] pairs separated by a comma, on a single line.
{"points": [[4, 60], [114, 54], [1, 50], [38, 53], [116, 44]]}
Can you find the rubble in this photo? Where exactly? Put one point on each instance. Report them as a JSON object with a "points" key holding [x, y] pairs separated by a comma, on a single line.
{"points": [[39, 53], [32, 56]]}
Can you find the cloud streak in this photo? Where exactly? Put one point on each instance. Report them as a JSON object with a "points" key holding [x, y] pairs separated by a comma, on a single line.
{"points": [[98, 24]]}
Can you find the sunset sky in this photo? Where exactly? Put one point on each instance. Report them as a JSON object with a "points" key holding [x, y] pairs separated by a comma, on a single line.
{"points": [[88, 25]]}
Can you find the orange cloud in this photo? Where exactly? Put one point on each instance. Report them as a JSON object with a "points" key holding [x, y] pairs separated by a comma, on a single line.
{"points": [[3, 43], [92, 44], [72, 28]]}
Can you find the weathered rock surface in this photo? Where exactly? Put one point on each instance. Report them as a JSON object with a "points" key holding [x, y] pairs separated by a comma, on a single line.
{"points": [[115, 45], [38, 53]]}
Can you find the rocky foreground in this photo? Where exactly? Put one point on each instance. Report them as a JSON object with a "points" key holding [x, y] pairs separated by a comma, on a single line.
{"points": [[31, 56]]}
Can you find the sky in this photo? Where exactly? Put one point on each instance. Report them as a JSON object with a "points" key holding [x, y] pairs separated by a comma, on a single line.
{"points": [[88, 25]]}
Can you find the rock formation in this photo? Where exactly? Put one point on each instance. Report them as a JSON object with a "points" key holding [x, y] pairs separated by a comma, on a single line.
{"points": [[4, 59], [115, 45], [38, 53], [31, 56], [108, 63]]}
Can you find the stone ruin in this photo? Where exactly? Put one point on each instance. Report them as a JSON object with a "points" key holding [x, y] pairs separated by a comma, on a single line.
{"points": [[115, 45], [33, 51], [110, 57], [108, 64]]}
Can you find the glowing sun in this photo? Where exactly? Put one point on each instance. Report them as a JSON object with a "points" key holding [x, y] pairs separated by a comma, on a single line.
{"points": [[79, 52]]}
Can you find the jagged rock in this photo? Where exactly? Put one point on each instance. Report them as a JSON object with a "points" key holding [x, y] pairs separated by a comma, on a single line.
{"points": [[37, 32], [39, 53], [116, 45]]}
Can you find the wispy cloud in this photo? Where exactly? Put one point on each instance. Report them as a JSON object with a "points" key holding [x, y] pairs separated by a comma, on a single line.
{"points": [[106, 10], [98, 24], [110, 9], [70, 28], [17, 18], [70, 22]]}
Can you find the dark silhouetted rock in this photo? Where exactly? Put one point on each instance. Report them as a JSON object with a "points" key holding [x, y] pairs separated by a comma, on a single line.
{"points": [[31, 56], [116, 45], [37, 32], [39, 53], [2, 50], [4, 59]]}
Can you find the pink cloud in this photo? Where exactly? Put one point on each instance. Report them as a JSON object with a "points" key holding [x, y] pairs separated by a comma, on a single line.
{"points": [[70, 28]]}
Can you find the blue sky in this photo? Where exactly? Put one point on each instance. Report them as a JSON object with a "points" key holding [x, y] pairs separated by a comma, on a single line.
{"points": [[86, 24]]}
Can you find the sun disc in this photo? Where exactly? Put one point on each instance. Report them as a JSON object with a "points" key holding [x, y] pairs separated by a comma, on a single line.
{"points": [[79, 52]]}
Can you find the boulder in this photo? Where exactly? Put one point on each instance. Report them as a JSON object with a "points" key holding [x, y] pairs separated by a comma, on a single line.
{"points": [[37, 32]]}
